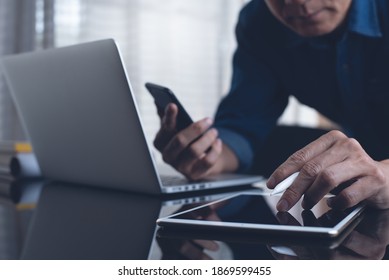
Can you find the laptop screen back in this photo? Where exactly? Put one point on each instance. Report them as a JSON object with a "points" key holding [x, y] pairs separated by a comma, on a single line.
{"points": [[79, 112]]}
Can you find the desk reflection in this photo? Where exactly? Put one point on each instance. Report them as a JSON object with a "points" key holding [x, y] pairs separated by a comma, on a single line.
{"points": [[367, 240], [76, 222]]}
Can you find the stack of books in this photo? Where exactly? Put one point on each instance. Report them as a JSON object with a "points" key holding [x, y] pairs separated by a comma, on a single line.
{"points": [[18, 166], [18, 160], [20, 187]]}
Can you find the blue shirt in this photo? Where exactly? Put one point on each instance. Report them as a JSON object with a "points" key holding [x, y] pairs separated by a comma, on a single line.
{"points": [[343, 76]]}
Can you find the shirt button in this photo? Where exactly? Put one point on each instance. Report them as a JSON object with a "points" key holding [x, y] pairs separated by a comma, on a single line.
{"points": [[346, 67]]}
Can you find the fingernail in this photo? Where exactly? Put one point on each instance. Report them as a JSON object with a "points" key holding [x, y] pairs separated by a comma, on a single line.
{"points": [[282, 205], [330, 201], [215, 131], [270, 182], [168, 107], [209, 121]]}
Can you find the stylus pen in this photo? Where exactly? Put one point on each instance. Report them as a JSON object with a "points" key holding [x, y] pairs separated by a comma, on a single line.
{"points": [[283, 185]]}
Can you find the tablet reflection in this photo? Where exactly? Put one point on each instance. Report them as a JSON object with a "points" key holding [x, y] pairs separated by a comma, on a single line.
{"points": [[195, 249], [368, 241]]}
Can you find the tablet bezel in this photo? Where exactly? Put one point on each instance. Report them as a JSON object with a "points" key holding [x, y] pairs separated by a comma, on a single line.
{"points": [[323, 232]]}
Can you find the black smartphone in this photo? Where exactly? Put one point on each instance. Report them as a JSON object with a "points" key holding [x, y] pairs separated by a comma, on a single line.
{"points": [[162, 97]]}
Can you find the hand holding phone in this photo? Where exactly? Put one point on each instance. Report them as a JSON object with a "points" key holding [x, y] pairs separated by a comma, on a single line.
{"points": [[195, 151], [162, 97]]}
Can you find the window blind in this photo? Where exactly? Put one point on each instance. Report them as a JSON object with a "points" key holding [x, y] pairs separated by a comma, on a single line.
{"points": [[185, 45]]}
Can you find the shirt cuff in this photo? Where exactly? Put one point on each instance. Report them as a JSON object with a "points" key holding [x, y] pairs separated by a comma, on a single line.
{"points": [[240, 146]]}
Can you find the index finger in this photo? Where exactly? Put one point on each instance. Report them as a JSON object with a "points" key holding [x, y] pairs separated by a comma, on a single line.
{"points": [[297, 160]]}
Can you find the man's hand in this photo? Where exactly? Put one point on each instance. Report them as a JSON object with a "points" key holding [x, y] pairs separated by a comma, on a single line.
{"points": [[326, 163], [196, 151]]}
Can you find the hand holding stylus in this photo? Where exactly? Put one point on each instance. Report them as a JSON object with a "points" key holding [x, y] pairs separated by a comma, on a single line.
{"points": [[326, 163], [283, 185]]}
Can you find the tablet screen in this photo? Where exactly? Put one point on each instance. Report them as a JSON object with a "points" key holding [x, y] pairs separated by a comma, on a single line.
{"points": [[253, 212]]}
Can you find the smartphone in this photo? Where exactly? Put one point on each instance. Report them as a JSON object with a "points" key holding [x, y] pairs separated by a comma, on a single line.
{"points": [[162, 97]]}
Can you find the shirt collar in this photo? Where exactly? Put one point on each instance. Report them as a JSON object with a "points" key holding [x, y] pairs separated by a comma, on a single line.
{"points": [[362, 19]]}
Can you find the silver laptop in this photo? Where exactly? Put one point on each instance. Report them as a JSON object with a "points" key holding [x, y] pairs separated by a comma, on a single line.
{"points": [[78, 109]]}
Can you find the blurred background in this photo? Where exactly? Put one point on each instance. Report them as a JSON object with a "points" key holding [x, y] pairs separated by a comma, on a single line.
{"points": [[184, 45]]}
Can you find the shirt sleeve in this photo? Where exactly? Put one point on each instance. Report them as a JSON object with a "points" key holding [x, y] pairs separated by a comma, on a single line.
{"points": [[255, 101]]}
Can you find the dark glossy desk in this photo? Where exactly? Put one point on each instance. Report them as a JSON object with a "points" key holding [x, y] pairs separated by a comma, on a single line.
{"points": [[77, 222]]}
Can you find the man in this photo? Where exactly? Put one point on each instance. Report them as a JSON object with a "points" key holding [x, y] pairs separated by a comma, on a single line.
{"points": [[332, 55]]}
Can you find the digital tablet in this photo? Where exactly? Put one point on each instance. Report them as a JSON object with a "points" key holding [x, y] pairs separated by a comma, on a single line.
{"points": [[256, 213]]}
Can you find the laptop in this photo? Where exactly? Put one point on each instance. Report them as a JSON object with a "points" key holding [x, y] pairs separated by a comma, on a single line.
{"points": [[77, 107]]}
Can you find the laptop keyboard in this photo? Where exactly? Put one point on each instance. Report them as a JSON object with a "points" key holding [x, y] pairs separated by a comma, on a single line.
{"points": [[170, 180]]}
